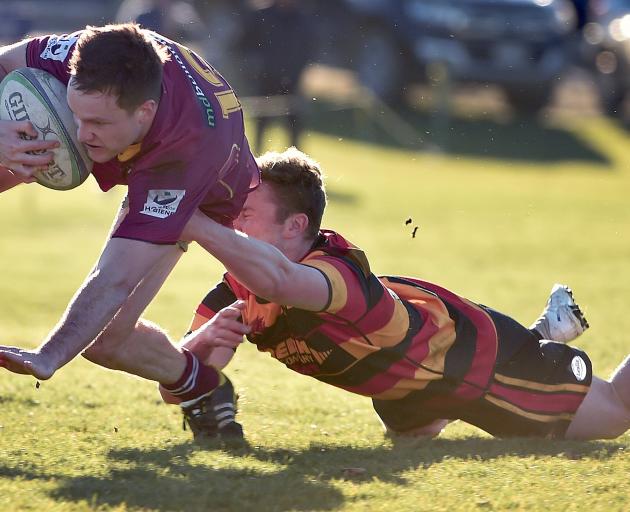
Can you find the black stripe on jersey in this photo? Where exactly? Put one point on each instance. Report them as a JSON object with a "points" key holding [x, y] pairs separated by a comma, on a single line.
{"points": [[219, 297], [373, 294], [375, 363], [356, 261], [460, 355], [328, 283], [292, 323], [371, 287]]}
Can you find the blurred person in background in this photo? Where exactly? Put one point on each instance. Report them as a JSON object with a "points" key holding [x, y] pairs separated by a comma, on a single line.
{"points": [[581, 12], [176, 19], [212, 28], [275, 41]]}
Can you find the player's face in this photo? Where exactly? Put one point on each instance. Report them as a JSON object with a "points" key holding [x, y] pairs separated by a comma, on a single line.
{"points": [[103, 127], [258, 218]]}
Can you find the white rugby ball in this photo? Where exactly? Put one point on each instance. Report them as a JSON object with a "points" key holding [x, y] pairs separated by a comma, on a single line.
{"points": [[37, 96]]}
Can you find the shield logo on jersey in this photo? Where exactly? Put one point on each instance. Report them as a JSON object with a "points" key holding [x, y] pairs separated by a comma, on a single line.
{"points": [[162, 203], [59, 47]]}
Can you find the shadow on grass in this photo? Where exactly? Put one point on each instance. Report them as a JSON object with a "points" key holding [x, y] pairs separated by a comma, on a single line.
{"points": [[185, 478], [522, 139]]}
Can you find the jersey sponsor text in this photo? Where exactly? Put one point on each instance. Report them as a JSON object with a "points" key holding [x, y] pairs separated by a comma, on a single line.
{"points": [[162, 203]]}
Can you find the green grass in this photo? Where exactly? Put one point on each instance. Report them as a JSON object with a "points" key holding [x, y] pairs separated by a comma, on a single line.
{"points": [[498, 230]]}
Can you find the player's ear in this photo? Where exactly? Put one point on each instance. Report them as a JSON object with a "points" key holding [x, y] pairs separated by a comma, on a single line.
{"points": [[296, 225], [146, 111]]}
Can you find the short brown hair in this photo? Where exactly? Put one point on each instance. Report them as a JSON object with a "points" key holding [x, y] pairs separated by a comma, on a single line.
{"points": [[297, 182], [119, 59]]}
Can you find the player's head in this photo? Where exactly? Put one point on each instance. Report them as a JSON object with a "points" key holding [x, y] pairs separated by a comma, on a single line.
{"points": [[289, 203], [115, 87]]}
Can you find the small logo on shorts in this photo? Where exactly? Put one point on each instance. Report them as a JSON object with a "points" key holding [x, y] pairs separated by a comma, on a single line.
{"points": [[162, 203], [578, 367]]}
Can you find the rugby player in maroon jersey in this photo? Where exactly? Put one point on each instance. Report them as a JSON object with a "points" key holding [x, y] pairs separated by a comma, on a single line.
{"points": [[157, 118], [423, 354]]}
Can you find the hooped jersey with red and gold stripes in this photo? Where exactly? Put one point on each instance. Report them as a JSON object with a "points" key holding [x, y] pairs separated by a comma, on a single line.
{"points": [[381, 337]]}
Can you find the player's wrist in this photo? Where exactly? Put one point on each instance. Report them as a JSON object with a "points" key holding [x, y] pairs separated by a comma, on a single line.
{"points": [[48, 361]]}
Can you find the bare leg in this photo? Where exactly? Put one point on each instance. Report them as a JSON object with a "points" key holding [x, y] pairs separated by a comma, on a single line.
{"points": [[146, 352], [605, 412], [621, 381], [140, 347]]}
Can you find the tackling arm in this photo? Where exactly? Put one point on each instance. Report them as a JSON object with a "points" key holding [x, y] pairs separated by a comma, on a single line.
{"points": [[260, 267]]}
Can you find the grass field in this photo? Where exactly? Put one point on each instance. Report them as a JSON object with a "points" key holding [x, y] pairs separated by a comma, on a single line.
{"points": [[493, 225]]}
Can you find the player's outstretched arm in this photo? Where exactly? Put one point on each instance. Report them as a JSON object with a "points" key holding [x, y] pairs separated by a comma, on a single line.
{"points": [[259, 266], [94, 305], [16, 151]]}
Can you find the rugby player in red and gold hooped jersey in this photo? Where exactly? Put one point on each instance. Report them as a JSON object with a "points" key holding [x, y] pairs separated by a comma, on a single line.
{"points": [[422, 353], [157, 118]]}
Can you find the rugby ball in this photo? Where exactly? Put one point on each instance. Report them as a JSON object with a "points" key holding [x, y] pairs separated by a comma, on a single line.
{"points": [[37, 96]]}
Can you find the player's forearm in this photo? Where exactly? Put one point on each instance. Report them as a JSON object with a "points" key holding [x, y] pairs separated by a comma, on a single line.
{"points": [[12, 57], [3, 71], [89, 311], [4, 66], [259, 266]]}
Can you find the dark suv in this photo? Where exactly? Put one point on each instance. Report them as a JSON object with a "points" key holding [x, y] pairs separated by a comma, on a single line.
{"points": [[520, 45], [607, 48]]}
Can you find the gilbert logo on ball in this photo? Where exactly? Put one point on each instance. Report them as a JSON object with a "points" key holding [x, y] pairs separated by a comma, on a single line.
{"points": [[30, 94]]}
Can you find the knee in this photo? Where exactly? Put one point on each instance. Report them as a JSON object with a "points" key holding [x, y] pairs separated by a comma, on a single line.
{"points": [[620, 383], [602, 414], [621, 395]]}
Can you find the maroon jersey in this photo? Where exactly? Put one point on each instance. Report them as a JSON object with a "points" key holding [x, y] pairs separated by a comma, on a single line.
{"points": [[195, 154]]}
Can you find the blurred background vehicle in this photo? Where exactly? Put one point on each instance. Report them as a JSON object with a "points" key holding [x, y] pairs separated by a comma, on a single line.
{"points": [[523, 46], [15, 21], [607, 50], [19, 18]]}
